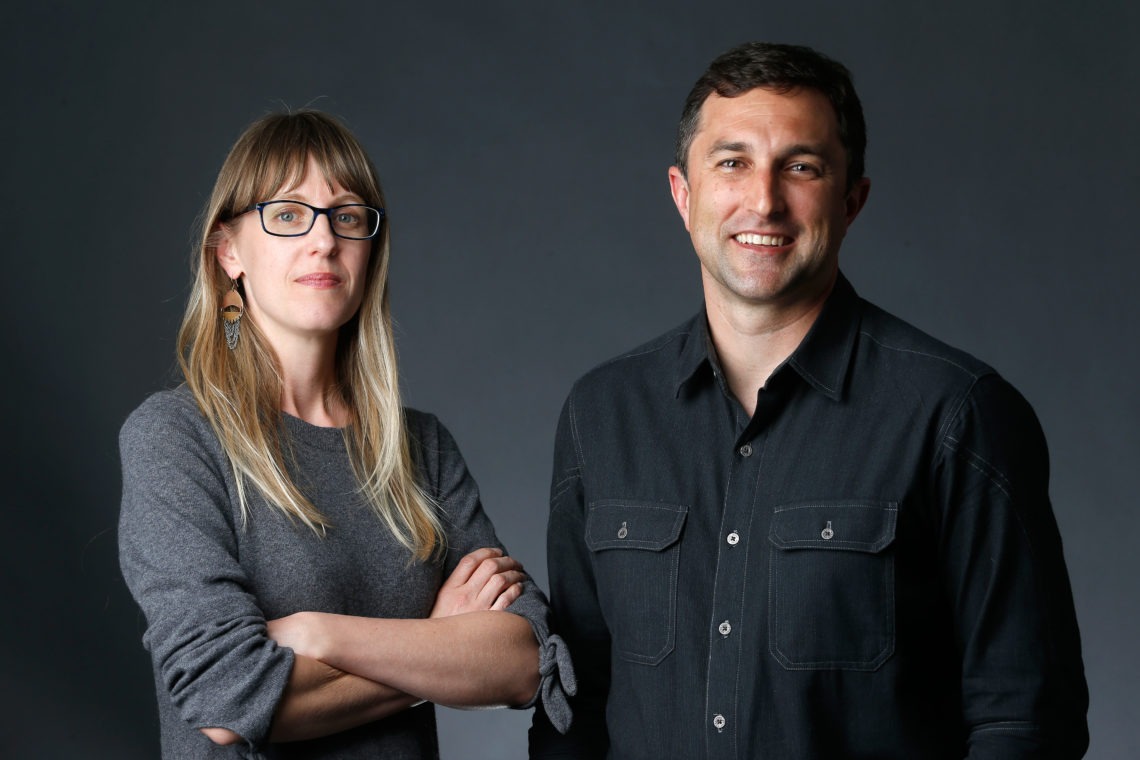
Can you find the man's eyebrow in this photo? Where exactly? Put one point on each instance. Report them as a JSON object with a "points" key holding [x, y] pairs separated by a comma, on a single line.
{"points": [[729, 147], [804, 149]]}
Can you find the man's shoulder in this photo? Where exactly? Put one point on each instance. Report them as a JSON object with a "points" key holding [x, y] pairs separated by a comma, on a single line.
{"points": [[915, 350], [655, 361]]}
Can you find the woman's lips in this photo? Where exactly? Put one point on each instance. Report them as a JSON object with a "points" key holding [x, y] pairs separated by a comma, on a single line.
{"points": [[319, 280]]}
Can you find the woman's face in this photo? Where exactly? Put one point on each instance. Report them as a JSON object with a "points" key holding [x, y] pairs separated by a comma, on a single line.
{"points": [[298, 289]]}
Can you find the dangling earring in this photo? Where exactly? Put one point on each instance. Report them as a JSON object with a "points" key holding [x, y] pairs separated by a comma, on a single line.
{"points": [[233, 307]]}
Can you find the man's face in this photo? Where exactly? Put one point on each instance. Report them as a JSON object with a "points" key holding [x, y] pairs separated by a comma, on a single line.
{"points": [[766, 200]]}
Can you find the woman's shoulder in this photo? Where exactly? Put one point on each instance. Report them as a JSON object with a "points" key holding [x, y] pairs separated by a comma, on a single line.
{"points": [[427, 433], [165, 407], [421, 424], [432, 447], [165, 419]]}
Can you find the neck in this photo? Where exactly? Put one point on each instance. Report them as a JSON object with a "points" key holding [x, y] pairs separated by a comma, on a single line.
{"points": [[308, 384], [752, 340]]}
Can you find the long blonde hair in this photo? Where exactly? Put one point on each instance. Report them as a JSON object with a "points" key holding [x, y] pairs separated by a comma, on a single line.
{"points": [[240, 391]]}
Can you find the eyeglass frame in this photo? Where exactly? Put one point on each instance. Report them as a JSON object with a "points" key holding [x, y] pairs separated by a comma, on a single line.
{"points": [[317, 211]]}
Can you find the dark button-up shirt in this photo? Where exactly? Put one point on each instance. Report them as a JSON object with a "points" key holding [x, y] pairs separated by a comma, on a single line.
{"points": [[868, 566]]}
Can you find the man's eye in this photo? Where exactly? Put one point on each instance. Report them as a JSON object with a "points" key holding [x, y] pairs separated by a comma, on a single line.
{"points": [[732, 163], [804, 168]]}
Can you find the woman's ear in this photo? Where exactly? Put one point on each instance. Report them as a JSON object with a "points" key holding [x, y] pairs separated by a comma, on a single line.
{"points": [[226, 251]]}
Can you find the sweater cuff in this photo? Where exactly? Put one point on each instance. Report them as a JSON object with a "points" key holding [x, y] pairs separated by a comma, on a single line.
{"points": [[556, 681]]}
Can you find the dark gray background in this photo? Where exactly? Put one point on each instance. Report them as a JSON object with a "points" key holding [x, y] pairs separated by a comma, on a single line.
{"points": [[523, 148]]}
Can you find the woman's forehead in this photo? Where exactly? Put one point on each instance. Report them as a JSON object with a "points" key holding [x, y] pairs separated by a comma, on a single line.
{"points": [[296, 170]]}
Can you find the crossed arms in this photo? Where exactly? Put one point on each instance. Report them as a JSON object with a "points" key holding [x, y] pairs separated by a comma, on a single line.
{"points": [[350, 670]]}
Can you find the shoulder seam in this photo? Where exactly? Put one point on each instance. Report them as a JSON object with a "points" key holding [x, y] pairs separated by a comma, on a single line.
{"points": [[947, 360], [975, 460], [651, 347]]}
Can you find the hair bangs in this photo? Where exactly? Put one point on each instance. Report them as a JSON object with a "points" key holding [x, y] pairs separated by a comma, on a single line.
{"points": [[274, 157]]}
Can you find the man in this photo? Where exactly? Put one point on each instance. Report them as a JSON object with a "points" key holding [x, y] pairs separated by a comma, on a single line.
{"points": [[797, 527]]}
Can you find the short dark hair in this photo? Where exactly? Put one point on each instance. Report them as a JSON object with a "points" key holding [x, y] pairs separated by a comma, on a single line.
{"points": [[782, 68]]}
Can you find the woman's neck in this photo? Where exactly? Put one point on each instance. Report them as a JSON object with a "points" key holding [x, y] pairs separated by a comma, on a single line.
{"points": [[309, 385]]}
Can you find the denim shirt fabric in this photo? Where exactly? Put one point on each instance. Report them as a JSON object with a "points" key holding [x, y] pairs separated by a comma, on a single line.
{"points": [[867, 567]]}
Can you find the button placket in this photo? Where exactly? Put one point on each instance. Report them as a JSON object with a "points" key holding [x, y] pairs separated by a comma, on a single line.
{"points": [[725, 652]]}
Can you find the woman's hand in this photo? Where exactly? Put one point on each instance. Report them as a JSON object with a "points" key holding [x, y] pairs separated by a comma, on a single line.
{"points": [[485, 579]]}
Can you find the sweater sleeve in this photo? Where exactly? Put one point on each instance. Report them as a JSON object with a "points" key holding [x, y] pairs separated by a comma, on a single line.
{"points": [[468, 528], [178, 551]]}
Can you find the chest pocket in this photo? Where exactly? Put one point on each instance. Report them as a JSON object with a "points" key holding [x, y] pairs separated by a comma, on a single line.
{"points": [[831, 585], [636, 547]]}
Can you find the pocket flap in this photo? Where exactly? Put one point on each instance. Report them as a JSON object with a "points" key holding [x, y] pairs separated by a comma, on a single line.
{"points": [[862, 526], [619, 524]]}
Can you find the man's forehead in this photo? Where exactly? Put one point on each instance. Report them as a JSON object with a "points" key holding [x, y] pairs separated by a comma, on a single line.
{"points": [[803, 110]]}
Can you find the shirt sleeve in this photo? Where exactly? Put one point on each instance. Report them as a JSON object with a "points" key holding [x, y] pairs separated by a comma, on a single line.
{"points": [[178, 553], [577, 615], [468, 528], [1023, 687]]}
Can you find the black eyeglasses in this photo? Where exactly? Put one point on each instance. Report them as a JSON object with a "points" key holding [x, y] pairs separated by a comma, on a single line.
{"points": [[352, 221]]}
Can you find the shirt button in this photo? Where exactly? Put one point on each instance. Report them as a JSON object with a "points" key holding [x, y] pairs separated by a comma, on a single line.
{"points": [[746, 450], [733, 538], [725, 628], [719, 722]]}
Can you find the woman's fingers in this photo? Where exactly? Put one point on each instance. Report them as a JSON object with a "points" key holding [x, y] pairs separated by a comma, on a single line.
{"points": [[507, 598], [485, 579], [470, 564], [490, 568], [462, 572]]}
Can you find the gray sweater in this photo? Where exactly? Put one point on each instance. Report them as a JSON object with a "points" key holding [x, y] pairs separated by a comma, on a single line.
{"points": [[206, 584]]}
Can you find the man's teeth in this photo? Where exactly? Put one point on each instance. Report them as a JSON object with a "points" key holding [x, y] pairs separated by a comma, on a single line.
{"points": [[751, 238]]}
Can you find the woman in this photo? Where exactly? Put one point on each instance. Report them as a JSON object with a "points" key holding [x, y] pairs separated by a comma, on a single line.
{"points": [[287, 527]]}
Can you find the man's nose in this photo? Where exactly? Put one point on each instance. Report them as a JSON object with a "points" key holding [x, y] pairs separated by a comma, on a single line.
{"points": [[767, 193]]}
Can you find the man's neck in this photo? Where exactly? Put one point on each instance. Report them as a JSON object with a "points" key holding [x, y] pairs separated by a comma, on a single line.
{"points": [[753, 340]]}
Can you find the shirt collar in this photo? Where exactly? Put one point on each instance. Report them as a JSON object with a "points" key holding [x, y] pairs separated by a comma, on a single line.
{"points": [[822, 358], [697, 353]]}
